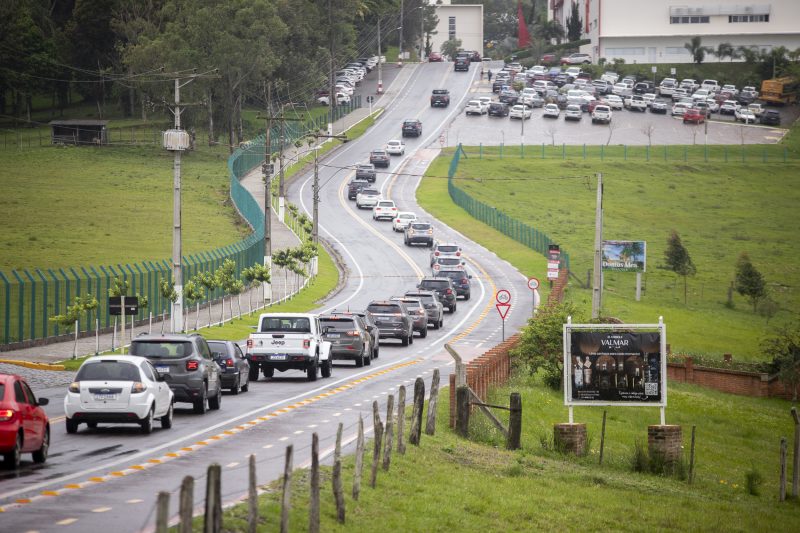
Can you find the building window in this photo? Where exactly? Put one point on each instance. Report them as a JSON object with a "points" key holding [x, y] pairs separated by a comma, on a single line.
{"points": [[616, 52], [748, 18], [452, 28], [689, 20], [676, 51]]}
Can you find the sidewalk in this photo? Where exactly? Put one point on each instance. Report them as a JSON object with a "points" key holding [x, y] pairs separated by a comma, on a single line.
{"points": [[282, 238]]}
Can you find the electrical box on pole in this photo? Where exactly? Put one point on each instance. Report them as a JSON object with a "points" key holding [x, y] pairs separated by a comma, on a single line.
{"points": [[175, 140]]}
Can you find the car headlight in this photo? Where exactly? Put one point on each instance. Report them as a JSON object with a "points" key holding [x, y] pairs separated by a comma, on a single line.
{"points": [[75, 387]]}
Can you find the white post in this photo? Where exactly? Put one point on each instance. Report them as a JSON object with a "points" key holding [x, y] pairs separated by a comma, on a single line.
{"points": [[663, 416], [75, 344], [96, 336], [571, 417], [122, 326], [638, 286], [114, 335], [536, 300], [150, 324], [598, 252], [281, 209]]}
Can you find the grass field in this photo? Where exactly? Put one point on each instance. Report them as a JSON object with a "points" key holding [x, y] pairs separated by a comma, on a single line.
{"points": [[719, 210], [451, 484]]}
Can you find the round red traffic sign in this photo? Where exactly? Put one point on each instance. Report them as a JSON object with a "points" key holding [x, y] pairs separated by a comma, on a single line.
{"points": [[533, 284], [503, 296]]}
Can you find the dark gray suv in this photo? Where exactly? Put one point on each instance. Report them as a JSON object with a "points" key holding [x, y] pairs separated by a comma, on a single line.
{"points": [[444, 289], [186, 364], [432, 306], [392, 320], [348, 338], [417, 312]]}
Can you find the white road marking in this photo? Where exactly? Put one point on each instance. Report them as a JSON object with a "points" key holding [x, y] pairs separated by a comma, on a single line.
{"points": [[267, 446], [282, 439], [101, 509], [67, 521], [231, 465], [298, 432], [135, 500]]}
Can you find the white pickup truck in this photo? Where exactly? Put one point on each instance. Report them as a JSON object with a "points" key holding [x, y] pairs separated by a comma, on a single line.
{"points": [[288, 341]]}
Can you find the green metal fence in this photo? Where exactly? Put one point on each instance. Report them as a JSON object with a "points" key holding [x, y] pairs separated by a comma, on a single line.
{"points": [[28, 298], [496, 218]]}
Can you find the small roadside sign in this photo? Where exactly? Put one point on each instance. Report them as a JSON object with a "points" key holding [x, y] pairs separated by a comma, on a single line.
{"points": [[503, 309], [503, 297], [533, 284], [115, 305]]}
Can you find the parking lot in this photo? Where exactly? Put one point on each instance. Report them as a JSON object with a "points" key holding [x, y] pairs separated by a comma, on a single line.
{"points": [[627, 127]]}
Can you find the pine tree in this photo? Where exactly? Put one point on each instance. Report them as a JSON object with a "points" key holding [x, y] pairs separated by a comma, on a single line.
{"points": [[749, 281], [574, 24], [678, 260]]}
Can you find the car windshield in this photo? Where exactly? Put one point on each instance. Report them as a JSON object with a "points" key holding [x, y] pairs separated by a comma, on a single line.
{"points": [[435, 283], [412, 304], [447, 249], [449, 261], [338, 324], [2, 391], [386, 204], [288, 324], [370, 192], [420, 226], [406, 215], [378, 152], [453, 274], [108, 371], [161, 349], [384, 309], [218, 347]]}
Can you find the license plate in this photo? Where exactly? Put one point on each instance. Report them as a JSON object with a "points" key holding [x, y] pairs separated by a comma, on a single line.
{"points": [[278, 357], [162, 369], [334, 335], [105, 396]]}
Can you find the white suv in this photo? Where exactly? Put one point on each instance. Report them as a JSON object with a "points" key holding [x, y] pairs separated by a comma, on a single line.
{"points": [[395, 147], [368, 198], [384, 209], [601, 113], [402, 220]]}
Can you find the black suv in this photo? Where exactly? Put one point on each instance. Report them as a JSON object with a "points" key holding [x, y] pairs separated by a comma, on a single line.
{"points": [[419, 233], [771, 117], [368, 322], [392, 320], [440, 98], [185, 363], [444, 289], [354, 187], [462, 64], [412, 128], [460, 281], [498, 109], [366, 172]]}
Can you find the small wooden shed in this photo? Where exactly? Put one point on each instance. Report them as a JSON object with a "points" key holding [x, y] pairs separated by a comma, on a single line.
{"points": [[79, 132]]}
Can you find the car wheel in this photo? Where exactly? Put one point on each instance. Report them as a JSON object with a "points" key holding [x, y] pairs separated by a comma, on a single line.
{"points": [[72, 426], [453, 309], [368, 358], [360, 359], [441, 323], [423, 333], [376, 353], [268, 372], [411, 337], [147, 422], [200, 405], [466, 296], [311, 371], [216, 402], [252, 374], [237, 385], [166, 420], [404, 341], [91, 425], [12, 458], [40, 455], [246, 386], [327, 368]]}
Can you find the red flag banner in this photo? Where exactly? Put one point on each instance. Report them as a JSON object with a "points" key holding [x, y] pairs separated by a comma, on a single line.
{"points": [[523, 36]]}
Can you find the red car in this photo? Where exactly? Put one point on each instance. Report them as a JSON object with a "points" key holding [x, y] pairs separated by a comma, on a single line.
{"points": [[694, 115], [435, 57], [24, 426]]}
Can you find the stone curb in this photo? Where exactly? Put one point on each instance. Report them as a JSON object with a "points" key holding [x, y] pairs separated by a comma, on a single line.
{"points": [[36, 366]]}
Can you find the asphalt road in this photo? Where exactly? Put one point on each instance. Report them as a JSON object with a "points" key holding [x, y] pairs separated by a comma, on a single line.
{"points": [[107, 478]]}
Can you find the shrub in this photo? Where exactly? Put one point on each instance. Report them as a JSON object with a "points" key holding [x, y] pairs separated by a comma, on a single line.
{"points": [[753, 481]]}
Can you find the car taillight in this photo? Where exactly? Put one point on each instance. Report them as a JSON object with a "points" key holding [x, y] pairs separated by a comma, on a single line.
{"points": [[306, 343], [458, 254], [249, 342], [464, 280], [75, 386], [192, 365], [449, 291], [6, 415], [436, 253], [229, 362], [138, 387], [394, 209], [352, 333]]}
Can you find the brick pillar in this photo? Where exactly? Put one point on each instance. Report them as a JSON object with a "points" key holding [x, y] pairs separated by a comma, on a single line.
{"points": [[689, 362], [570, 438], [452, 400], [664, 443]]}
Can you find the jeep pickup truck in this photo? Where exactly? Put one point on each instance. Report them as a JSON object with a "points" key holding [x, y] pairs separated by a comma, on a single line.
{"points": [[440, 98], [288, 341]]}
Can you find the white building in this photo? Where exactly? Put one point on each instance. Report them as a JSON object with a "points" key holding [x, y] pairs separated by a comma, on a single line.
{"points": [[655, 31], [460, 21]]}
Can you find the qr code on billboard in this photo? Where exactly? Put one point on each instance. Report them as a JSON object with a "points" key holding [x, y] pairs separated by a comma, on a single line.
{"points": [[651, 389]]}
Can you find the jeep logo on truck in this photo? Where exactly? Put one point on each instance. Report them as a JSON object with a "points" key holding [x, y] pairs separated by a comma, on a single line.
{"points": [[278, 343]]}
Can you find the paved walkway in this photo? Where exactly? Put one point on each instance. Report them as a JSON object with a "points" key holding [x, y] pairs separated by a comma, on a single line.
{"points": [[282, 237]]}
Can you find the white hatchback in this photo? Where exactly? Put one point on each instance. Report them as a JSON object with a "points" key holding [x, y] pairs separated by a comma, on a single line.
{"points": [[384, 209], [613, 101], [402, 220], [520, 111], [121, 389], [395, 147], [551, 110]]}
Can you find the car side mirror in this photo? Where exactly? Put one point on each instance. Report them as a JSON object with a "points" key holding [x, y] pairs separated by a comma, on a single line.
{"points": [[43, 401], [161, 377], [470, 276]]}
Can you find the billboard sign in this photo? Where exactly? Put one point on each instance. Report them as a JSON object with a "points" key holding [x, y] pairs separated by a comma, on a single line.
{"points": [[625, 256], [614, 364]]}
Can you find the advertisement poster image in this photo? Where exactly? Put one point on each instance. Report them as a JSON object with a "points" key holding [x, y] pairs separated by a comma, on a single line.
{"points": [[625, 256], [616, 367]]}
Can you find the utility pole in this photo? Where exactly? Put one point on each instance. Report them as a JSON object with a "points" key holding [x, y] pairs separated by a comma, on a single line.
{"points": [[315, 186], [281, 197], [380, 63], [332, 101], [400, 45], [597, 278]]}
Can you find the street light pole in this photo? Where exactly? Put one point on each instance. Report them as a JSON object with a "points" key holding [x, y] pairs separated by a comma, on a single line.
{"points": [[400, 46], [380, 63]]}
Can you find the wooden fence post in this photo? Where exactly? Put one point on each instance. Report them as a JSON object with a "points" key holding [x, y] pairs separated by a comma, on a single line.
{"points": [[515, 422], [782, 489], [416, 414], [603, 437], [796, 456], [401, 419], [252, 496], [691, 457], [359, 459], [376, 449], [462, 411], [186, 505], [433, 399], [286, 502], [387, 447], [313, 506], [162, 512], [338, 494], [213, 516]]}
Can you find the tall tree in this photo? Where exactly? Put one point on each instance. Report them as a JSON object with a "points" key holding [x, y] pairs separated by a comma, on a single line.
{"points": [[574, 24], [678, 260], [696, 48], [785, 346], [749, 281], [552, 29], [724, 50]]}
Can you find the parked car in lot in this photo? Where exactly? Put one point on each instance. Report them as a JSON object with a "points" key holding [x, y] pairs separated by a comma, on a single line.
{"points": [[366, 172], [614, 101], [659, 107], [379, 158], [412, 128], [341, 99], [395, 147], [576, 59], [729, 107], [349, 340], [771, 117], [185, 363], [235, 369], [509, 96], [416, 312], [520, 111], [444, 289], [551, 111], [384, 209], [24, 426], [392, 320], [743, 114], [667, 86], [354, 187], [610, 77], [498, 109], [680, 108], [418, 232], [601, 114], [690, 85], [121, 389], [433, 307], [402, 220], [475, 107], [694, 116], [573, 112], [367, 197], [757, 109]]}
